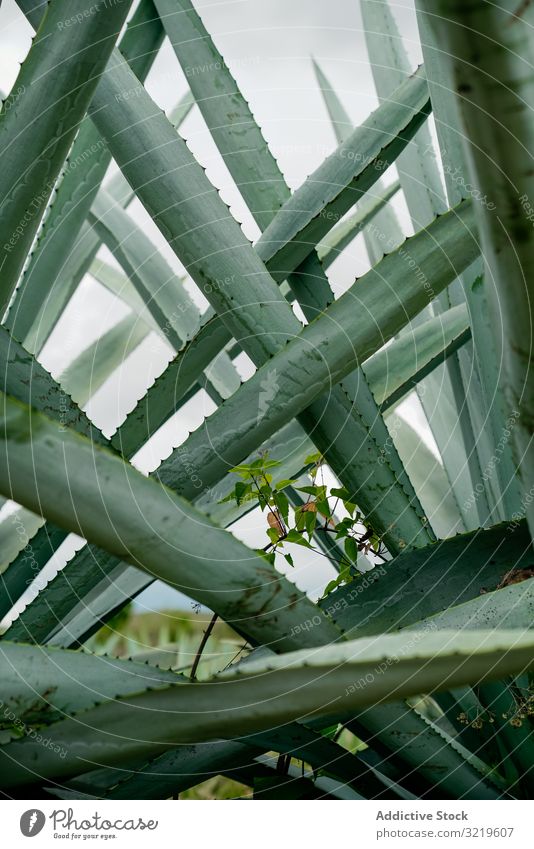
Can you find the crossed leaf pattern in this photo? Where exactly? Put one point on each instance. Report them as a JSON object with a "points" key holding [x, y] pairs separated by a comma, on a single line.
{"points": [[407, 674]]}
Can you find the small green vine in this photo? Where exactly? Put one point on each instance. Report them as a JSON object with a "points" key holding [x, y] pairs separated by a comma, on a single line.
{"points": [[315, 516]]}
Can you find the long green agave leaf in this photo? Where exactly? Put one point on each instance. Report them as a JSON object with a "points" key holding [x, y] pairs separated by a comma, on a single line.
{"points": [[62, 477], [423, 746], [58, 617], [162, 291], [16, 530], [499, 163], [81, 256], [42, 684], [62, 615], [116, 282], [424, 582], [509, 607], [26, 379], [86, 166], [385, 222], [185, 766], [343, 178], [428, 477], [264, 693], [55, 85], [46, 616]]}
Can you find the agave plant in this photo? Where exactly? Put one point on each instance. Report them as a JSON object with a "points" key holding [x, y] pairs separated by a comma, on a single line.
{"points": [[409, 676]]}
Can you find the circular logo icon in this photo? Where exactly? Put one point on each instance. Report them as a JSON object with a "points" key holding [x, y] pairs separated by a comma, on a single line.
{"points": [[32, 822]]}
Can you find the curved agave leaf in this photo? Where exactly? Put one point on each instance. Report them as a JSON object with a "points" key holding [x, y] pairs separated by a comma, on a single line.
{"points": [[57, 615], [26, 379], [268, 692], [94, 585], [55, 85], [506, 235], [143, 523], [424, 582]]}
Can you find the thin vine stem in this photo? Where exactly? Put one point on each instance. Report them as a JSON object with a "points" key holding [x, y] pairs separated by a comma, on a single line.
{"points": [[204, 640]]}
